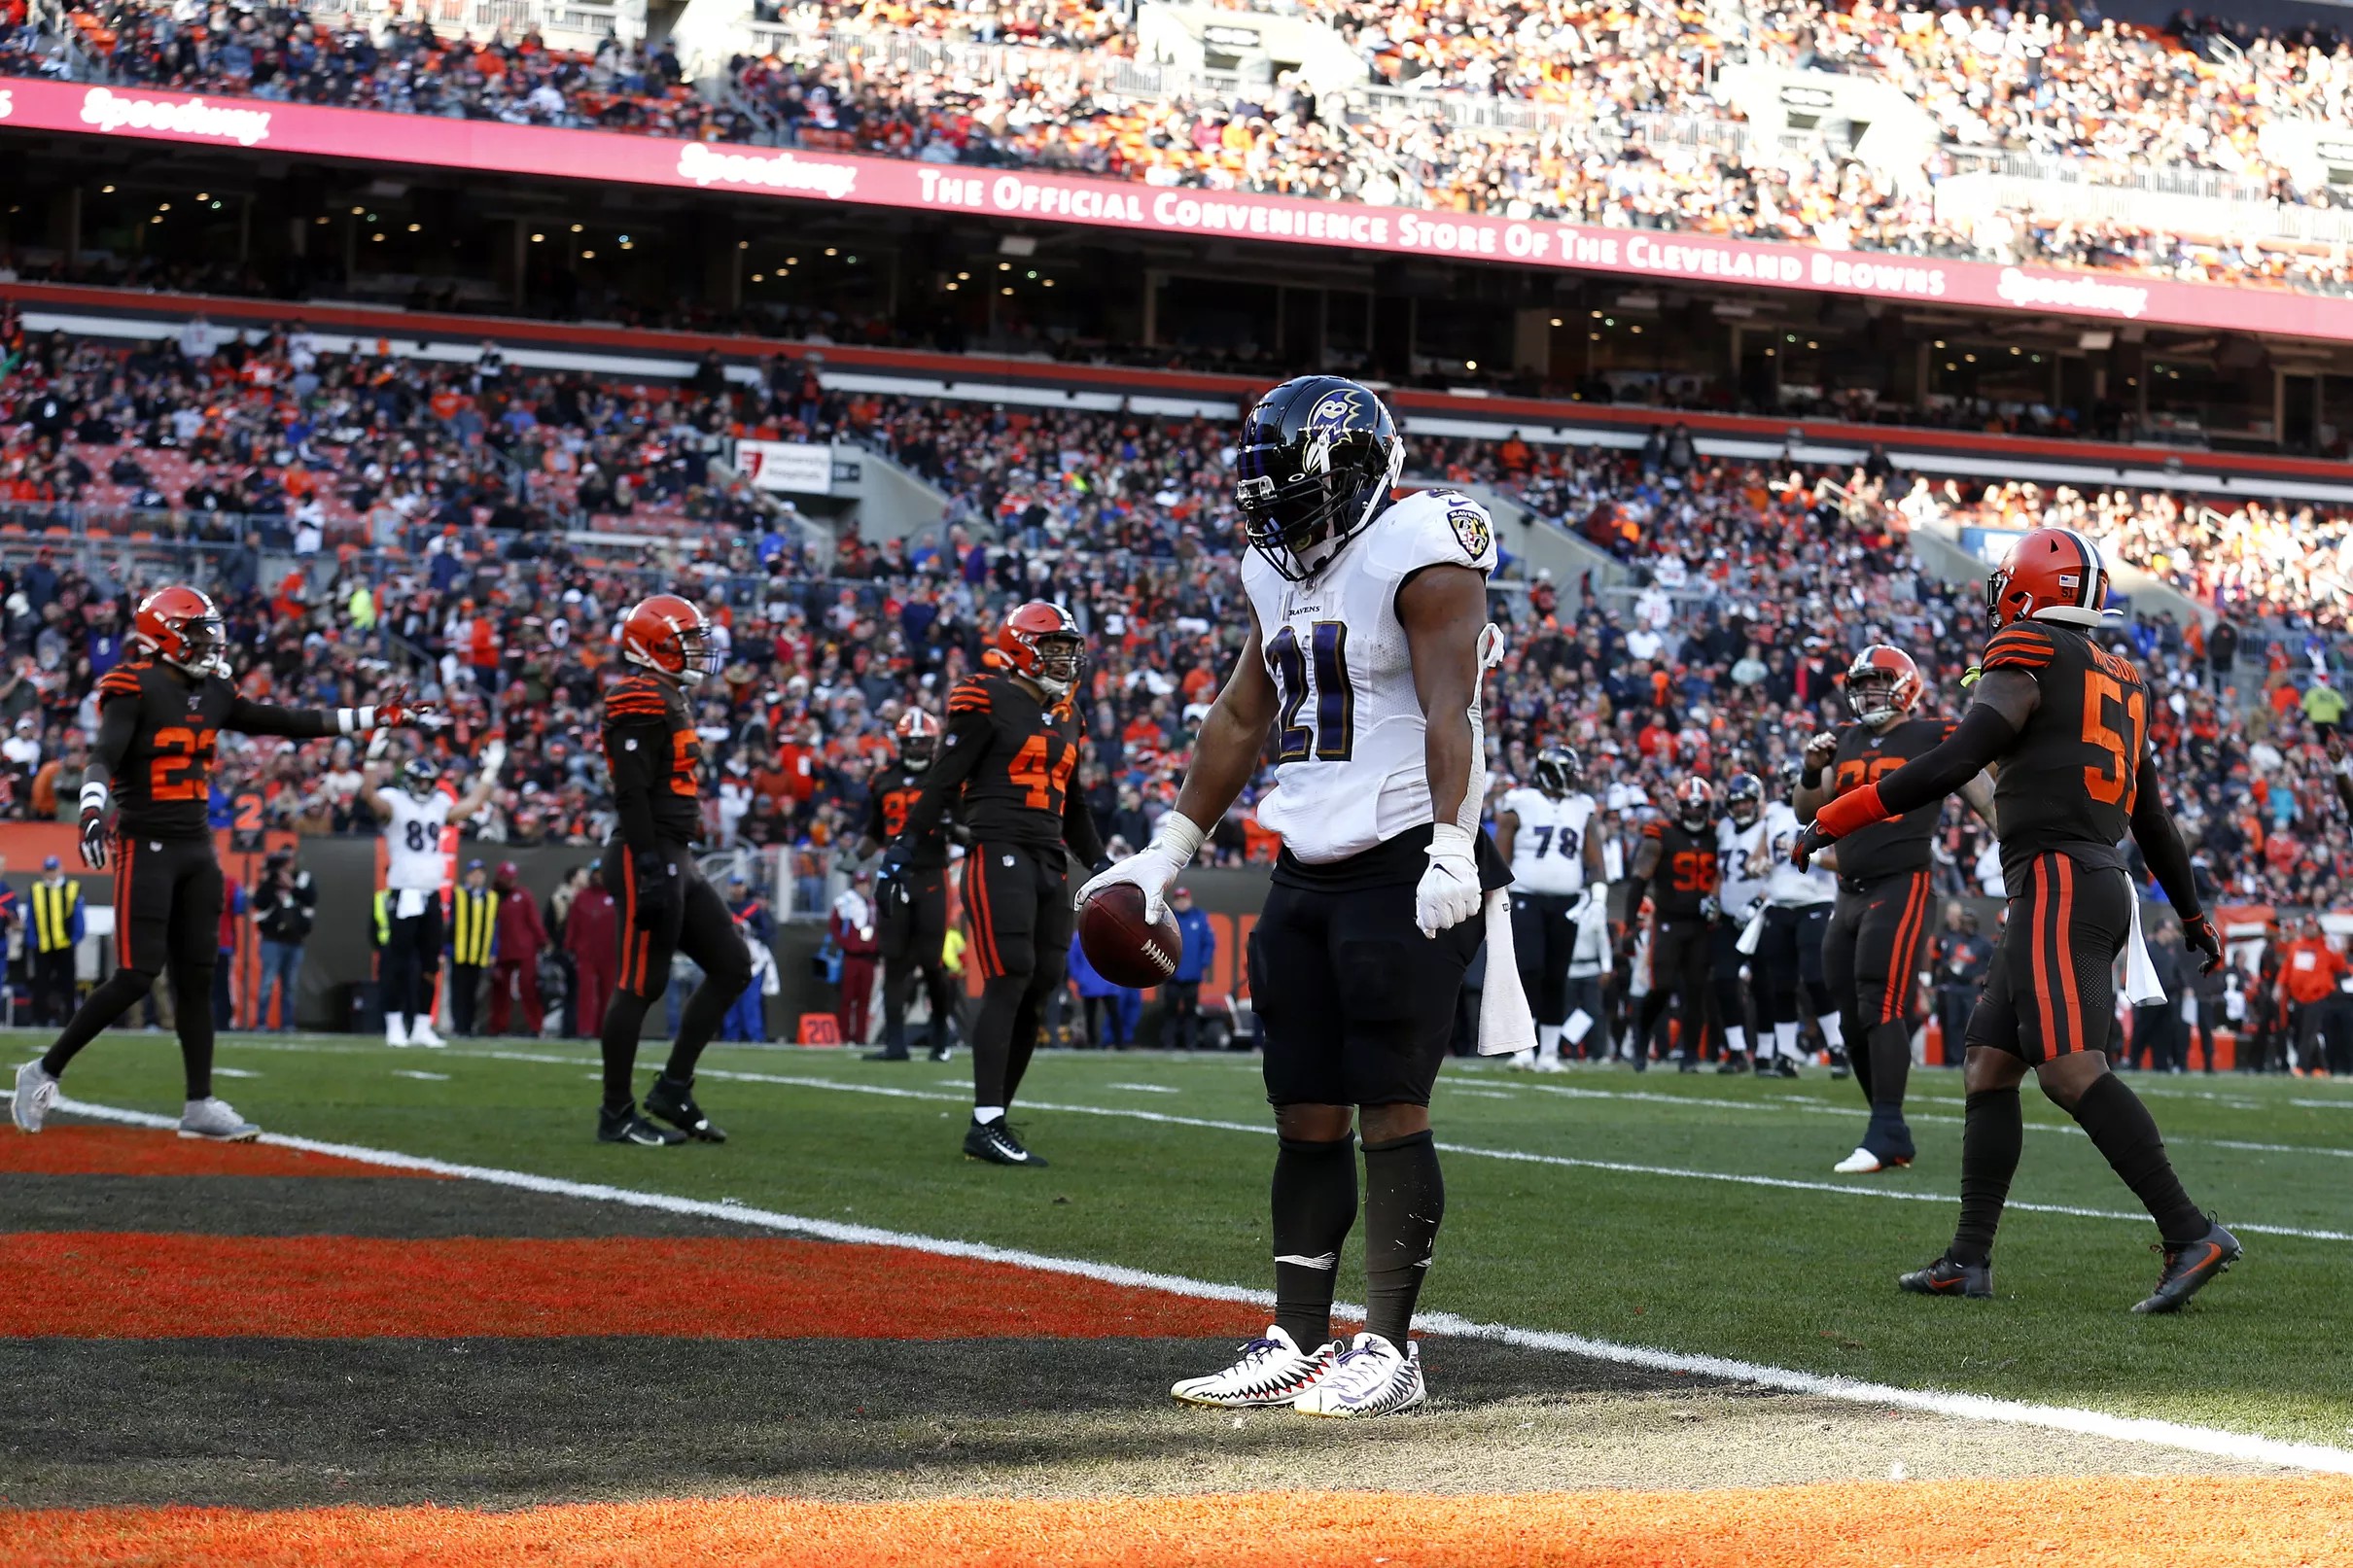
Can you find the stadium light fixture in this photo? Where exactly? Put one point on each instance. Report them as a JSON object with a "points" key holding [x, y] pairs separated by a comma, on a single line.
{"points": [[203, 195], [414, 228], [1470, 365], [759, 277], [743, 244], [1004, 266], [357, 211], [964, 277], [1049, 282], [576, 228], [831, 251], [588, 255], [162, 207], [538, 239], [1556, 321], [1008, 288], [106, 190]]}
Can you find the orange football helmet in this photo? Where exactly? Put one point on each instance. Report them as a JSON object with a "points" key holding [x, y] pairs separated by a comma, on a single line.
{"points": [[2051, 573], [671, 637], [182, 627], [918, 739], [1882, 685], [1040, 640]]}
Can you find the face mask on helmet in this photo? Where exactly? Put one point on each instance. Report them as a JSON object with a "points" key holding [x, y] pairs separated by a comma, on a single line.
{"points": [[1693, 810], [420, 778], [1744, 800], [1556, 772], [1317, 458], [1871, 698], [1058, 659], [916, 752]]}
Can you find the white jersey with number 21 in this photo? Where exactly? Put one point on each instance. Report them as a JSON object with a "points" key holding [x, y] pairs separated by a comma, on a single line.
{"points": [[1348, 733]]}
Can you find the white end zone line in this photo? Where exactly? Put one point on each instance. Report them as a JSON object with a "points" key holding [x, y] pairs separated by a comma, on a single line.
{"points": [[2239, 1445]]}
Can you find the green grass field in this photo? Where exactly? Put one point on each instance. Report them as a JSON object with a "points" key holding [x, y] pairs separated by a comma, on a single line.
{"points": [[1799, 1276]]}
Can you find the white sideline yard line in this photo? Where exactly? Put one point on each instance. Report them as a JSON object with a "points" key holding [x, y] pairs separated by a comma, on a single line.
{"points": [[1519, 1156], [2206, 1440], [1814, 1107]]}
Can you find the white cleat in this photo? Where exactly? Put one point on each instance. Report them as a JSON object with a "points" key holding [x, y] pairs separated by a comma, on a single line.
{"points": [[1549, 1063], [395, 1030], [1273, 1372], [1370, 1378], [1525, 1061], [36, 1093], [421, 1034], [215, 1120], [1862, 1163]]}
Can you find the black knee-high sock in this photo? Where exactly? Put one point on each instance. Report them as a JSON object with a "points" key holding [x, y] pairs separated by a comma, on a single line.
{"points": [[1993, 1132], [1890, 1048], [1314, 1203], [1404, 1200], [706, 1009], [192, 1006], [993, 1036], [1028, 1020], [2125, 1132], [113, 996], [1654, 1007], [624, 1021], [1858, 1054]]}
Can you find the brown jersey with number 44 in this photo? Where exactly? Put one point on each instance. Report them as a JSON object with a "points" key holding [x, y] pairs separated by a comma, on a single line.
{"points": [[1010, 760], [2067, 782]]}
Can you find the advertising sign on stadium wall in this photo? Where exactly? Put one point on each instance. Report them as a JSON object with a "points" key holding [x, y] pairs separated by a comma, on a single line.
{"points": [[307, 130], [794, 467]]}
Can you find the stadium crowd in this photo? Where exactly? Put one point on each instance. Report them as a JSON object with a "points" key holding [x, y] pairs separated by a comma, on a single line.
{"points": [[1621, 122], [431, 519]]}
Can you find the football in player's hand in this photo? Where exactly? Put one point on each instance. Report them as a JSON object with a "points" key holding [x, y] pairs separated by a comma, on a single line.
{"points": [[1123, 949]]}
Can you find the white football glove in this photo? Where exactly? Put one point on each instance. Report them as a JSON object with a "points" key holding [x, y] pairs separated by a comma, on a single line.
{"points": [[1174, 841], [1448, 894]]}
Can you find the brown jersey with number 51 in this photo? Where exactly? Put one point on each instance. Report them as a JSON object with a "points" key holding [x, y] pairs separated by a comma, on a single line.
{"points": [[2067, 783]]}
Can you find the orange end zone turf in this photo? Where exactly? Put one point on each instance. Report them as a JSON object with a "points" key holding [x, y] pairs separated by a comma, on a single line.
{"points": [[106, 1285], [2097, 1523], [75, 1150]]}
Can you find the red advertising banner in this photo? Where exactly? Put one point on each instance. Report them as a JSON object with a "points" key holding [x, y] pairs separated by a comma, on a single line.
{"points": [[369, 135]]}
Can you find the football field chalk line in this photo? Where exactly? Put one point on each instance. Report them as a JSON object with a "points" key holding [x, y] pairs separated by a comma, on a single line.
{"points": [[1475, 1151], [2180, 1436], [1267, 1130]]}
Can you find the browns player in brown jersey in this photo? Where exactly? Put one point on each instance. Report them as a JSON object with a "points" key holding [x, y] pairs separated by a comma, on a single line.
{"points": [[1675, 867], [158, 718], [1009, 764], [914, 901], [2066, 724], [1872, 949], [666, 906]]}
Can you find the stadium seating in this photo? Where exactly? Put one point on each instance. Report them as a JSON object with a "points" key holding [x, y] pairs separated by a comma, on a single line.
{"points": [[473, 524], [2199, 153]]}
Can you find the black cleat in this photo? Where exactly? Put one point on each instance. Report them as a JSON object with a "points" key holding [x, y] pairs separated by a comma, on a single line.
{"points": [[626, 1125], [1839, 1069], [1973, 1281], [674, 1102], [939, 1052], [887, 1055], [1782, 1067], [995, 1142], [1731, 1064], [2189, 1269]]}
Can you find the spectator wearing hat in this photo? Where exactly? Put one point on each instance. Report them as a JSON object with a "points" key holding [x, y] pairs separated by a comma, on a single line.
{"points": [[56, 930], [514, 968], [1180, 997], [473, 915]]}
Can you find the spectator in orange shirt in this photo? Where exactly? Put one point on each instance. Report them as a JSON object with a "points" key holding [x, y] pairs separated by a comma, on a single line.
{"points": [[2309, 969]]}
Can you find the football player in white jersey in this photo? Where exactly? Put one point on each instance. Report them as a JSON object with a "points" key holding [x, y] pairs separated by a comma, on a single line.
{"points": [[1542, 830], [1739, 894], [415, 872], [1368, 635], [1789, 948]]}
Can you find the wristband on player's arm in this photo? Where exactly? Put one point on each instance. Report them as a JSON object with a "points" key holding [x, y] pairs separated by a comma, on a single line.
{"points": [[1810, 779], [93, 796], [1178, 836]]}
